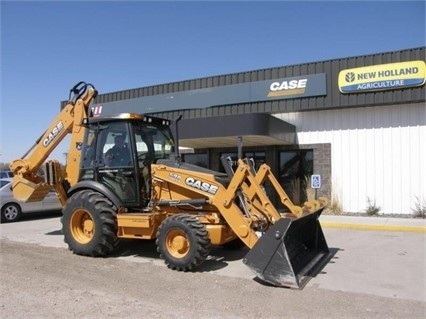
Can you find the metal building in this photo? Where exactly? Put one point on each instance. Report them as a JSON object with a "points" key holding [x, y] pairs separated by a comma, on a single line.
{"points": [[354, 128]]}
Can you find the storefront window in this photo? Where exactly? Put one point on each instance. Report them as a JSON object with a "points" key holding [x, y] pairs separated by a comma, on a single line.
{"points": [[258, 157], [296, 168]]}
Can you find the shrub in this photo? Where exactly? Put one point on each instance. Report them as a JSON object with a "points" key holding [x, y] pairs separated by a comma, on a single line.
{"points": [[334, 208], [419, 210], [372, 209]]}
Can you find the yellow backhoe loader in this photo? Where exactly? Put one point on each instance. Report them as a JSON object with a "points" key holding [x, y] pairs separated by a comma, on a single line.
{"points": [[124, 179]]}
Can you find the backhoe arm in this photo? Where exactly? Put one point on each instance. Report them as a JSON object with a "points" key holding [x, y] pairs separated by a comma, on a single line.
{"points": [[27, 184]]}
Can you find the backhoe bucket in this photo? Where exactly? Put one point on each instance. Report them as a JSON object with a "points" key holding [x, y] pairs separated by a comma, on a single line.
{"points": [[290, 252], [27, 191]]}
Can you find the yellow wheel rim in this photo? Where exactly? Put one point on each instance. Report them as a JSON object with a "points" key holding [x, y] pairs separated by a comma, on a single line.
{"points": [[82, 226], [177, 243]]}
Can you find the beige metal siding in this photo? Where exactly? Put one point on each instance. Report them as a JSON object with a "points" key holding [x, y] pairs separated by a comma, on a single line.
{"points": [[377, 153]]}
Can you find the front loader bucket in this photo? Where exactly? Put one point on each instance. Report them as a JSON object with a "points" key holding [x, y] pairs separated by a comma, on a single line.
{"points": [[290, 252]]}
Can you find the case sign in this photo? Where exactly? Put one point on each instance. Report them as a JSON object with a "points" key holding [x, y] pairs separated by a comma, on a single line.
{"points": [[295, 87], [382, 77]]}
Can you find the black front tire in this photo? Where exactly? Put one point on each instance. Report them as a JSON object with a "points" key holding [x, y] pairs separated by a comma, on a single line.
{"points": [[89, 224], [183, 242]]}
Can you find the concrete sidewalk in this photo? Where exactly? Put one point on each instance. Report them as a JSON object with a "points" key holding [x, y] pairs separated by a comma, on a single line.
{"points": [[374, 223]]}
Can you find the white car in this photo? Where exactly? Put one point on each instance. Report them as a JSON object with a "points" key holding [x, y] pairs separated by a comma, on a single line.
{"points": [[12, 209]]}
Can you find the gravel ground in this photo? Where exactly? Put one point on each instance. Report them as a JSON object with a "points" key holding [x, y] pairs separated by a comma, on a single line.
{"points": [[47, 282]]}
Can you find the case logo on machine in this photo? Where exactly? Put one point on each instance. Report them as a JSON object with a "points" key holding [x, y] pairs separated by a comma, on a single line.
{"points": [[203, 186], [53, 133], [382, 77]]}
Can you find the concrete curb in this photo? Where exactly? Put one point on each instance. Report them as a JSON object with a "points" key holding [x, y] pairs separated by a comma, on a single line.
{"points": [[415, 229], [374, 223]]}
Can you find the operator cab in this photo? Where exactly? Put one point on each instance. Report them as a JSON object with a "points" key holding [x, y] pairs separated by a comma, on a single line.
{"points": [[118, 151]]}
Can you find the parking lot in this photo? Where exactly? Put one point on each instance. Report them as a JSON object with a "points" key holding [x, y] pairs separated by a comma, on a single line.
{"points": [[373, 273]]}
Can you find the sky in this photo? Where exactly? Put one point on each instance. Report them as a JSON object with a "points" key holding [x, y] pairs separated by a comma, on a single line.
{"points": [[48, 46]]}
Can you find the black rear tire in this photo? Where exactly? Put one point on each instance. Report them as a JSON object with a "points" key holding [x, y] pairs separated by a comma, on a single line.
{"points": [[183, 242], [89, 224]]}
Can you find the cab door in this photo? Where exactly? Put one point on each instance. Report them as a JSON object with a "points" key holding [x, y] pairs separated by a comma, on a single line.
{"points": [[119, 176]]}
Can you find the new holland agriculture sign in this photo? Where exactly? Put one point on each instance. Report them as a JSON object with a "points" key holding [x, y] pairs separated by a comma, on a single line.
{"points": [[382, 77]]}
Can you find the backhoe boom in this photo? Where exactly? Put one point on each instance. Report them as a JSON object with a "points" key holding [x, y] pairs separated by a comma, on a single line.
{"points": [[27, 183]]}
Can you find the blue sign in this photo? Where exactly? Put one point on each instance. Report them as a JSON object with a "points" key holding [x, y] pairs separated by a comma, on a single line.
{"points": [[316, 181]]}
